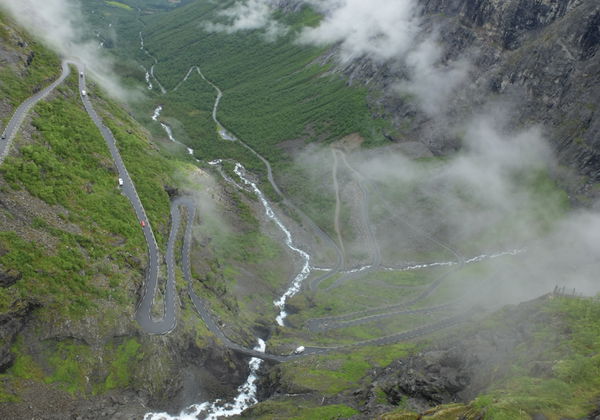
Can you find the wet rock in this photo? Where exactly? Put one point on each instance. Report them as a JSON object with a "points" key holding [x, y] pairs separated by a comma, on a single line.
{"points": [[594, 415], [591, 37], [460, 368], [8, 277], [433, 377], [30, 58], [538, 54], [11, 323], [172, 191]]}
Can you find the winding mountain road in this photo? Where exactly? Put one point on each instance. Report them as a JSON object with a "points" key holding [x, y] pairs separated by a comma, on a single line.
{"points": [[307, 221], [168, 321], [202, 307], [22, 110], [144, 311]]}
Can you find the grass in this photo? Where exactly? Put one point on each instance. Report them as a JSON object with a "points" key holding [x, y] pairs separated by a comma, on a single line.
{"points": [[119, 4], [81, 252], [70, 364], [241, 245], [76, 367], [123, 365], [149, 176], [570, 343], [43, 68], [338, 372], [302, 410], [273, 91], [68, 165]]}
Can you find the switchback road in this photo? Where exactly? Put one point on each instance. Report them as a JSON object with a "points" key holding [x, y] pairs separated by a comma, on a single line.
{"points": [[21, 112], [144, 311], [169, 319]]}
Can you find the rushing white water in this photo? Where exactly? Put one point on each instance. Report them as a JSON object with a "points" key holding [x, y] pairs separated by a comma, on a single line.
{"points": [[156, 113], [165, 127], [472, 260], [247, 391], [358, 270], [305, 272], [213, 410], [150, 74], [148, 81], [169, 131]]}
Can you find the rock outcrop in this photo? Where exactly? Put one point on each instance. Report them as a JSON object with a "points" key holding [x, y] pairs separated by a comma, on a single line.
{"points": [[541, 56]]}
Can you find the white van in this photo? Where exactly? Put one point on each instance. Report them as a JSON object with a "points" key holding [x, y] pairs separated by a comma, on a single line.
{"points": [[120, 182], [83, 93], [299, 350]]}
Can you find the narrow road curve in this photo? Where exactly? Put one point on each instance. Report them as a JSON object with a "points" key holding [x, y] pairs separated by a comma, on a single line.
{"points": [[367, 226], [22, 110], [144, 311], [201, 306], [226, 135], [366, 220], [168, 322], [315, 325], [336, 189]]}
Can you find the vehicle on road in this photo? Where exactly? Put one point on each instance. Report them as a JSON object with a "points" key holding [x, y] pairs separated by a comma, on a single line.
{"points": [[143, 223], [299, 350], [120, 182], [83, 93], [81, 74], [3, 137]]}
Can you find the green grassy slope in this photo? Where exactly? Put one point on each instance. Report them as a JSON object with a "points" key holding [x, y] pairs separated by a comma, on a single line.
{"points": [[274, 91], [553, 370], [555, 373], [27, 66], [72, 245], [72, 255]]}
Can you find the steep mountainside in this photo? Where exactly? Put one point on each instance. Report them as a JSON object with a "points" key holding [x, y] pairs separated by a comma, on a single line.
{"points": [[542, 55], [534, 360], [388, 320], [73, 258]]}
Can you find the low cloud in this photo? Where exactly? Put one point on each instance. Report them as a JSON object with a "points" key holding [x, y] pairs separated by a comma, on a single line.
{"points": [[380, 29], [249, 15], [493, 196], [391, 32], [60, 24], [432, 82]]}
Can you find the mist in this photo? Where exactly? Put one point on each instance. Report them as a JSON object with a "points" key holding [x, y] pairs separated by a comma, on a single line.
{"points": [[496, 195], [61, 26], [249, 15], [391, 32]]}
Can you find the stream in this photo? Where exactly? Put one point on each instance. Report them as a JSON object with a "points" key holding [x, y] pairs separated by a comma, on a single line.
{"points": [[247, 391], [296, 285], [246, 396]]}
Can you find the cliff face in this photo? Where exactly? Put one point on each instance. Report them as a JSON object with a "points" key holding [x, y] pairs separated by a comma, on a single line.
{"points": [[540, 55], [546, 52]]}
